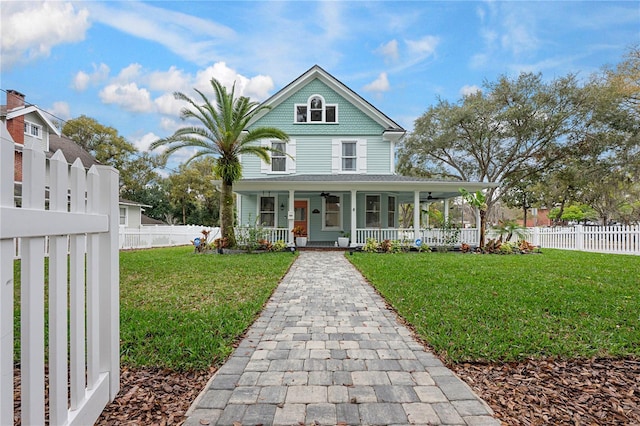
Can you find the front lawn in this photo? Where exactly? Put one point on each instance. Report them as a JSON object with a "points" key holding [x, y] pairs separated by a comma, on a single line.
{"points": [[183, 311], [505, 308]]}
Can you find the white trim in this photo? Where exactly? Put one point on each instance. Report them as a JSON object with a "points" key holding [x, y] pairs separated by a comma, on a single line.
{"points": [[367, 225], [259, 210], [340, 213], [29, 126], [307, 106], [395, 211], [291, 158]]}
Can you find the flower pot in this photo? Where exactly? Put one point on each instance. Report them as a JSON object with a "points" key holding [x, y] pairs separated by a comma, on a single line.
{"points": [[301, 241], [343, 242]]}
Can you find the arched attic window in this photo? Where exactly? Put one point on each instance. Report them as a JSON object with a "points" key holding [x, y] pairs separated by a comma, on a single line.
{"points": [[316, 110]]}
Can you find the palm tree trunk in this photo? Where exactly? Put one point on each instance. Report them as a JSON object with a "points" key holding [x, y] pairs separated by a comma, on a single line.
{"points": [[483, 225], [226, 214]]}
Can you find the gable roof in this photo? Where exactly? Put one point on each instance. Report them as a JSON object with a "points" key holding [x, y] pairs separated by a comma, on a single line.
{"points": [[71, 150], [17, 112], [316, 72]]}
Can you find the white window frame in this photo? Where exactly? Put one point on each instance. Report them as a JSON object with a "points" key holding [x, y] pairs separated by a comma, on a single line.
{"points": [[366, 211], [125, 216], [275, 211], [391, 223], [336, 156], [279, 156], [290, 163], [307, 107], [354, 157], [339, 213], [29, 128]]}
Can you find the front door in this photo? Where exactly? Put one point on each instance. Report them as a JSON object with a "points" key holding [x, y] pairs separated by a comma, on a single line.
{"points": [[301, 214]]}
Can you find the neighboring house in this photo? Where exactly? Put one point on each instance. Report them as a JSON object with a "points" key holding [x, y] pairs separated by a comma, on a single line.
{"points": [[24, 124], [339, 172], [131, 213]]}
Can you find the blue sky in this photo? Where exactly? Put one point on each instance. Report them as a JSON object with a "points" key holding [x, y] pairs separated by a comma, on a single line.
{"points": [[120, 62]]}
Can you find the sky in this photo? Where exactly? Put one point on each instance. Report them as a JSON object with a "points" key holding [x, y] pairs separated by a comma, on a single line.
{"points": [[121, 62]]}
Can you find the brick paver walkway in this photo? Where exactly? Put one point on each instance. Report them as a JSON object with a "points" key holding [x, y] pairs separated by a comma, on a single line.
{"points": [[326, 351]]}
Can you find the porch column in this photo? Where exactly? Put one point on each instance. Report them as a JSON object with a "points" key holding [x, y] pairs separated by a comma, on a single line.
{"points": [[416, 215], [446, 210], [426, 216], [290, 217], [354, 217]]}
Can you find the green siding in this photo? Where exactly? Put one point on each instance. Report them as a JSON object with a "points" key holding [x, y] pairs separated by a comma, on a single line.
{"points": [[351, 120]]}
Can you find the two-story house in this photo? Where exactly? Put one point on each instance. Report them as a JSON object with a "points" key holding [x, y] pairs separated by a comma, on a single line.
{"points": [[339, 172]]}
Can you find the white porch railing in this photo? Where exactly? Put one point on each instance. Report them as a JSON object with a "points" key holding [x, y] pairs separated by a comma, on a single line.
{"points": [[83, 289], [429, 237]]}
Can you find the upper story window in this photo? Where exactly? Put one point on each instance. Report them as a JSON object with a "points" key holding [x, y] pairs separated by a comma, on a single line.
{"points": [[278, 157], [32, 129], [316, 110], [349, 157]]}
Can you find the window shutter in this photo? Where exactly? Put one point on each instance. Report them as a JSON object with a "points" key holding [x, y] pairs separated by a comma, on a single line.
{"points": [[336, 156], [264, 167], [291, 150], [362, 156]]}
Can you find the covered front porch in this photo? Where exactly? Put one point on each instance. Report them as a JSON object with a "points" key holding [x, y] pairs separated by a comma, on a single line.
{"points": [[357, 207]]}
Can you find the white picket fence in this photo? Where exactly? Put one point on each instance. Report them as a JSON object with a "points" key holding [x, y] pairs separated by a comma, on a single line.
{"points": [[162, 236], [81, 224], [599, 239]]}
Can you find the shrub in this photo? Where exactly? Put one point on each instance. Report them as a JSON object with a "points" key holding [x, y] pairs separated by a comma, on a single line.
{"points": [[371, 246]]}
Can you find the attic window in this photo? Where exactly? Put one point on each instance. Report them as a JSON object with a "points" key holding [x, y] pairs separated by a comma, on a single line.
{"points": [[316, 110], [32, 129]]}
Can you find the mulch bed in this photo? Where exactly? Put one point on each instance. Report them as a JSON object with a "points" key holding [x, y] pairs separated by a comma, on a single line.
{"points": [[535, 392], [545, 392]]}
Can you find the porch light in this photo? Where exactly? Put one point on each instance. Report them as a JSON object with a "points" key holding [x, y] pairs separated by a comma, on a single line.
{"points": [[281, 207]]}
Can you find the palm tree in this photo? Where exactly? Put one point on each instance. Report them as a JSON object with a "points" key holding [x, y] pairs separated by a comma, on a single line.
{"points": [[478, 200], [222, 133]]}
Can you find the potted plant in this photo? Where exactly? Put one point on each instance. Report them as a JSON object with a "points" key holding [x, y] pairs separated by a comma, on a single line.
{"points": [[343, 241], [301, 235]]}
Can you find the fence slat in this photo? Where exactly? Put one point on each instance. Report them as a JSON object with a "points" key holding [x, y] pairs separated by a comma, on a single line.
{"points": [[32, 296], [58, 367], [93, 280], [76, 291], [7, 252]]}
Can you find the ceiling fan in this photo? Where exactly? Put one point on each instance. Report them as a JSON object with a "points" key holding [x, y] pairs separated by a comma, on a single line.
{"points": [[324, 194]]}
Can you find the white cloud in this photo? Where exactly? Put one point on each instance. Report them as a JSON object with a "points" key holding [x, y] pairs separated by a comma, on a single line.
{"points": [[168, 104], [173, 80], [380, 84], [257, 87], [128, 96], [190, 37], [82, 80], [467, 90], [169, 125], [31, 29], [61, 110], [142, 143], [130, 73], [424, 47], [389, 50]]}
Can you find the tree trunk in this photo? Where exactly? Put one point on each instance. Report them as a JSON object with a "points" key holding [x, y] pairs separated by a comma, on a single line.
{"points": [[483, 224], [524, 224], [226, 214]]}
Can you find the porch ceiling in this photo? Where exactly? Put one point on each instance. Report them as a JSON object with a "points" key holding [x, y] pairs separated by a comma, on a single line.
{"points": [[361, 183]]}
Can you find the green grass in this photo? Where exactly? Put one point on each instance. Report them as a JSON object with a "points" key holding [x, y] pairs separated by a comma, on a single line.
{"points": [[184, 311], [505, 308]]}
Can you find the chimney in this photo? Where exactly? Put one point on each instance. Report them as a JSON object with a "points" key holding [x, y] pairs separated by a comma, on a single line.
{"points": [[15, 100], [15, 126]]}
